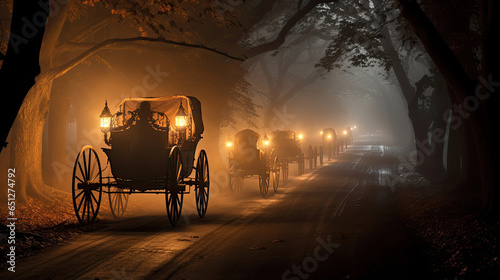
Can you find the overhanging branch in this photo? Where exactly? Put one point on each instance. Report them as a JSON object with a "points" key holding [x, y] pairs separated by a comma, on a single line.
{"points": [[111, 42]]}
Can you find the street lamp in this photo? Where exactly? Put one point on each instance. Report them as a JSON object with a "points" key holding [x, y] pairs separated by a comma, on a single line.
{"points": [[301, 136]]}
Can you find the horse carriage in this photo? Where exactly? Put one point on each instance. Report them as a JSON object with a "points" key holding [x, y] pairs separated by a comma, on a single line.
{"points": [[287, 145], [152, 144], [347, 137], [330, 143], [248, 156]]}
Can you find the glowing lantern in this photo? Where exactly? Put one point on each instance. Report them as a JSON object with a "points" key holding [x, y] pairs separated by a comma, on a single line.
{"points": [[266, 140], [301, 136], [105, 118], [229, 144], [181, 117], [329, 136]]}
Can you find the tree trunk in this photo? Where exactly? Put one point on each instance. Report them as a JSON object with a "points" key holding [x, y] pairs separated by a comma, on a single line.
{"points": [[26, 140]]}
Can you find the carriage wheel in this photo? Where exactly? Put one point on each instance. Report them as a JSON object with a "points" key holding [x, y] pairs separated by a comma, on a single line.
{"points": [[87, 185], [275, 173], [320, 155], [173, 195], [203, 184], [284, 169], [235, 180], [302, 163], [117, 201], [264, 183]]}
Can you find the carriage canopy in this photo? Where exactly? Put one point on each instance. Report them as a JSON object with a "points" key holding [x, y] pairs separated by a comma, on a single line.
{"points": [[169, 105]]}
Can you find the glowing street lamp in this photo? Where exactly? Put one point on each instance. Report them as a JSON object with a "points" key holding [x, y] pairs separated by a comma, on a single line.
{"points": [[229, 144], [301, 136], [105, 118], [181, 117]]}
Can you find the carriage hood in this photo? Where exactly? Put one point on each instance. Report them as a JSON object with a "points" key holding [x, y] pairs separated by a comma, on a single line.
{"points": [[169, 106]]}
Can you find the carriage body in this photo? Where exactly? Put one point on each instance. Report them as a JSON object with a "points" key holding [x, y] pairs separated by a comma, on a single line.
{"points": [[139, 148], [249, 156], [288, 146], [152, 144], [330, 142]]}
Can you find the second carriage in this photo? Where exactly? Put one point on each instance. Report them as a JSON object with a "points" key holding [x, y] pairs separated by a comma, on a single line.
{"points": [[249, 155], [288, 146]]}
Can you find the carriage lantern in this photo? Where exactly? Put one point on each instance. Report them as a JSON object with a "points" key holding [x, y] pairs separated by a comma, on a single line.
{"points": [[105, 118], [181, 117], [266, 140]]}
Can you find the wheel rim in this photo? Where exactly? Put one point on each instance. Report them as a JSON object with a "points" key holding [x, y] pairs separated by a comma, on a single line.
{"points": [[264, 184], [174, 197], [87, 185], [117, 201], [284, 170], [276, 174], [202, 190]]}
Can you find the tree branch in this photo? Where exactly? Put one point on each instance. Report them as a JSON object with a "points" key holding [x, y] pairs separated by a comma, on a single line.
{"points": [[111, 42], [280, 39]]}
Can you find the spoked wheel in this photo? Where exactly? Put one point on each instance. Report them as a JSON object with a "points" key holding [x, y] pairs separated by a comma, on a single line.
{"points": [[203, 184], [284, 169], [87, 185], [301, 164], [174, 192], [275, 172], [235, 180], [117, 201], [264, 183]]}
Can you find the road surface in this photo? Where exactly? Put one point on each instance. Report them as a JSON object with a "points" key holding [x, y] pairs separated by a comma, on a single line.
{"points": [[338, 221]]}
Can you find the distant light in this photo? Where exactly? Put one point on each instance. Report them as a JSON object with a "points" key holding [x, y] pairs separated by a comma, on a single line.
{"points": [[266, 143], [321, 132], [229, 144], [329, 136], [301, 136], [345, 132]]}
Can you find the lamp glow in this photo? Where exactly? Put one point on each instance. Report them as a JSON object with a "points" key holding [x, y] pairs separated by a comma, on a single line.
{"points": [[181, 117], [105, 118], [229, 144], [301, 136]]}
